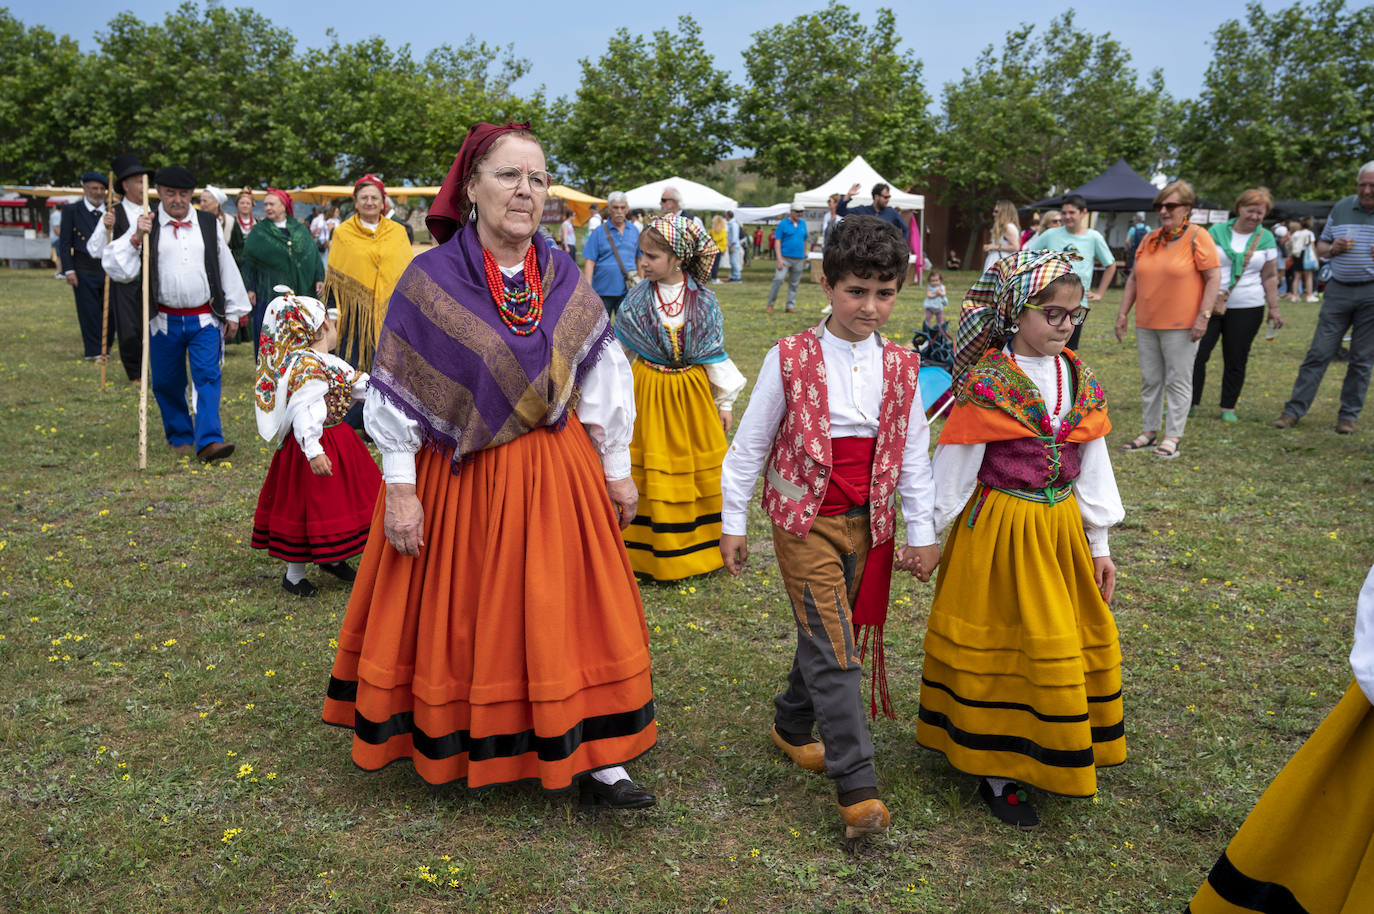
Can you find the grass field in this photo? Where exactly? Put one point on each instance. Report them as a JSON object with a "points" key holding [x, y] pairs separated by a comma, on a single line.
{"points": [[160, 738]]}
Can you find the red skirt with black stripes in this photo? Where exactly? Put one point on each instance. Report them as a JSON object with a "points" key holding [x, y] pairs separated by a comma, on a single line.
{"points": [[302, 517]]}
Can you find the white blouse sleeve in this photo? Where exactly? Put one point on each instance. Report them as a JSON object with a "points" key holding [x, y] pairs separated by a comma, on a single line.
{"points": [[727, 383], [607, 410], [749, 450], [1098, 499], [955, 468], [361, 386], [1362, 656], [121, 260], [915, 483], [306, 413], [396, 435]]}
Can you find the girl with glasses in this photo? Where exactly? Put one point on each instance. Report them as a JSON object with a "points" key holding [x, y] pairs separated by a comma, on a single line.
{"points": [[1021, 648]]}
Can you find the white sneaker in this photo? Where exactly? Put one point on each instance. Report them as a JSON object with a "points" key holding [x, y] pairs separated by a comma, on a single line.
{"points": [[1312, 298]]}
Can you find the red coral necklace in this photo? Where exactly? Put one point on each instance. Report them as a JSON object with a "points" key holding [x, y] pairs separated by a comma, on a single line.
{"points": [[507, 298]]}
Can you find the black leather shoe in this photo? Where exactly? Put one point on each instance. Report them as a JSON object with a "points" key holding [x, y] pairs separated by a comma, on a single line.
{"points": [[1013, 807], [301, 588], [340, 570], [623, 794]]}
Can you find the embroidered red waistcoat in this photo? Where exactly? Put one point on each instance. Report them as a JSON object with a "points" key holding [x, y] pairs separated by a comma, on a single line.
{"points": [[799, 466]]}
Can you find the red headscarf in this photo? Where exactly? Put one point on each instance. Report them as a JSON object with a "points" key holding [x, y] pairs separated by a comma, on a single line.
{"points": [[451, 206], [372, 179], [285, 199]]}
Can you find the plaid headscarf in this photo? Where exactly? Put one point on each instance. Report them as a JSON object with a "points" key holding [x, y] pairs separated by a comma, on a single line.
{"points": [[288, 328], [997, 298], [690, 243]]}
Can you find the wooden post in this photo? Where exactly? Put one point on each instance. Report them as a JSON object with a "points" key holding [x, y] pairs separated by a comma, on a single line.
{"points": [[143, 373], [105, 312]]}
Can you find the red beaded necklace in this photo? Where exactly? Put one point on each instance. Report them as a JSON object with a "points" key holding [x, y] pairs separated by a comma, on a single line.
{"points": [[672, 308], [507, 298], [1058, 383]]}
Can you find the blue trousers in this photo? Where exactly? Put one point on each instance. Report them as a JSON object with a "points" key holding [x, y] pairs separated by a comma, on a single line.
{"points": [[168, 353]]}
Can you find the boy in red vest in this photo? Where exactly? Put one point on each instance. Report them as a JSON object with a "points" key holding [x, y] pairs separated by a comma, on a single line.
{"points": [[836, 417]]}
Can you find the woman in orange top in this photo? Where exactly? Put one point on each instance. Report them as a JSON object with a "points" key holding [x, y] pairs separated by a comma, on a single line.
{"points": [[1176, 277]]}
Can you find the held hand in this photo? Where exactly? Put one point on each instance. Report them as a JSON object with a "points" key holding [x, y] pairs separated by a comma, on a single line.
{"points": [[1198, 330], [230, 328], [319, 289], [1120, 327], [145, 224], [727, 419], [734, 549], [320, 465], [108, 220], [405, 519], [1104, 575], [625, 498], [922, 560], [71, 279], [1276, 318], [1341, 245]]}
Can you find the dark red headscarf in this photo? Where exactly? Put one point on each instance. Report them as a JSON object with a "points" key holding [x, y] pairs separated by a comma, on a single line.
{"points": [[372, 179], [451, 207], [285, 199]]}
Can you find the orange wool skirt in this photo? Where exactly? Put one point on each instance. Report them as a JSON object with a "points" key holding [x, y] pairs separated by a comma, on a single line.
{"points": [[514, 646]]}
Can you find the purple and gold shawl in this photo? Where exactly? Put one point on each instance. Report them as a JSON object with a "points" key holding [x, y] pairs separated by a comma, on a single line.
{"points": [[447, 361]]}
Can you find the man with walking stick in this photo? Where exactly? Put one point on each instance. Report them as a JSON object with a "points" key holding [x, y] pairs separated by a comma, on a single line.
{"points": [[197, 299], [126, 309], [82, 271]]}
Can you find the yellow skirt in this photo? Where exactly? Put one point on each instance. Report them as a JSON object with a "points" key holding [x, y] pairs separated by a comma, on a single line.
{"points": [[1022, 675], [676, 455], [1308, 845]]}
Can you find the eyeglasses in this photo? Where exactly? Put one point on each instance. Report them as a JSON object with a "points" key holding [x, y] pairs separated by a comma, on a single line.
{"points": [[1054, 316], [667, 199], [1168, 207], [509, 178]]}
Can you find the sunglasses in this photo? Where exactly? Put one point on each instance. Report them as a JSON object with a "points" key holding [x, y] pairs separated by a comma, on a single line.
{"points": [[1168, 207], [1054, 316]]}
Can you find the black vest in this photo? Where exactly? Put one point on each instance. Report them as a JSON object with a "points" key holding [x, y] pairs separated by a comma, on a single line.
{"points": [[209, 234]]}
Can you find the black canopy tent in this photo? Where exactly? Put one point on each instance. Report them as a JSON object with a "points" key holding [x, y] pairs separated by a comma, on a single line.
{"points": [[1118, 189]]}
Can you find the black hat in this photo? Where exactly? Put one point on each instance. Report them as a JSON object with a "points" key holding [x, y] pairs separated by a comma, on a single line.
{"points": [[127, 165], [177, 176], [94, 176]]}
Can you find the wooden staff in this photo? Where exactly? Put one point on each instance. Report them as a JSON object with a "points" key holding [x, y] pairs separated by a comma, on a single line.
{"points": [[105, 312], [143, 371]]}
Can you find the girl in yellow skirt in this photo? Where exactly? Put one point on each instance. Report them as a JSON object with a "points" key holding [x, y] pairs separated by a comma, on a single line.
{"points": [[685, 388], [1308, 845], [1022, 677]]}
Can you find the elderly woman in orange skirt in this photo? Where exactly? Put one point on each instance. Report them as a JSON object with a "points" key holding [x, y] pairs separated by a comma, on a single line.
{"points": [[495, 632]]}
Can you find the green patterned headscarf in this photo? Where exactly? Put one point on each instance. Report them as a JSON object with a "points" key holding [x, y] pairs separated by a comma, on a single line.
{"points": [[997, 298]]}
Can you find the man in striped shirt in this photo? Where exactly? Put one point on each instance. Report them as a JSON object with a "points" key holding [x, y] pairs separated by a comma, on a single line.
{"points": [[1348, 305]]}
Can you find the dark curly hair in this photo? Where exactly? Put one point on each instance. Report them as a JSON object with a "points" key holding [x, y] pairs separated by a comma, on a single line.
{"points": [[865, 246]]}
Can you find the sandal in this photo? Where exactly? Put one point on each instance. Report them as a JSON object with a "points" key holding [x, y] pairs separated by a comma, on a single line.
{"points": [[1140, 443], [1167, 450]]}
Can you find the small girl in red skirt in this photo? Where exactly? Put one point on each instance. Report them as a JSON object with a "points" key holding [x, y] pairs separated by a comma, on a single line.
{"points": [[316, 504]]}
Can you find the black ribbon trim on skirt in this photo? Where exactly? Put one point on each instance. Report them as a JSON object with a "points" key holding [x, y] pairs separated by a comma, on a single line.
{"points": [[504, 745], [681, 527], [992, 742], [342, 689], [1007, 705], [326, 551], [1251, 894], [674, 553]]}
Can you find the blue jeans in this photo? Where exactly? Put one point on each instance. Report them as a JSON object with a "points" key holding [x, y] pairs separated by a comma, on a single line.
{"points": [[1344, 307], [736, 260], [168, 354]]}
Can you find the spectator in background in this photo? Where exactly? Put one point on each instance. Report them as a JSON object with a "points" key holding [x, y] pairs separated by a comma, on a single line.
{"points": [[721, 236], [1302, 248], [567, 235], [1134, 235], [758, 241], [790, 244], [1031, 230], [610, 253], [212, 201], [882, 194], [830, 219], [734, 234], [1074, 237], [952, 261], [1285, 265], [82, 271], [1005, 237], [594, 220]]}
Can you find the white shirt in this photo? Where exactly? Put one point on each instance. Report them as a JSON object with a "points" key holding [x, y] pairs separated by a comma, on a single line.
{"points": [[182, 282], [594, 223], [1099, 502], [854, 388], [1362, 654], [1249, 290], [606, 409], [306, 412], [726, 380], [98, 240]]}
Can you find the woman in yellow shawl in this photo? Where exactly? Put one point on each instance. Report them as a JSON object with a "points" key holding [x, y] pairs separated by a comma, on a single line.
{"points": [[367, 255]]}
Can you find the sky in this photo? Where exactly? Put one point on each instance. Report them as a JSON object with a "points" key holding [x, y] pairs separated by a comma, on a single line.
{"points": [[946, 36]]}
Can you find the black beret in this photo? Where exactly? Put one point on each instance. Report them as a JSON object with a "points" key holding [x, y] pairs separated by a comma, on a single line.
{"points": [[177, 176], [94, 176]]}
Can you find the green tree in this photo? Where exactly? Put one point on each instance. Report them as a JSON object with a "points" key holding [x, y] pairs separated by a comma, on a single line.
{"points": [[647, 109], [1287, 102], [1045, 112], [45, 107], [824, 88]]}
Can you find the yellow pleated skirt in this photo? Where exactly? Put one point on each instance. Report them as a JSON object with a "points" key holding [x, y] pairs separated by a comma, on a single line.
{"points": [[676, 455], [1022, 675], [1308, 845]]}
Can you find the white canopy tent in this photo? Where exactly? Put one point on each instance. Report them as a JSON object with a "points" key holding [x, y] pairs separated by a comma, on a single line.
{"points": [[861, 173], [758, 215], [694, 196]]}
